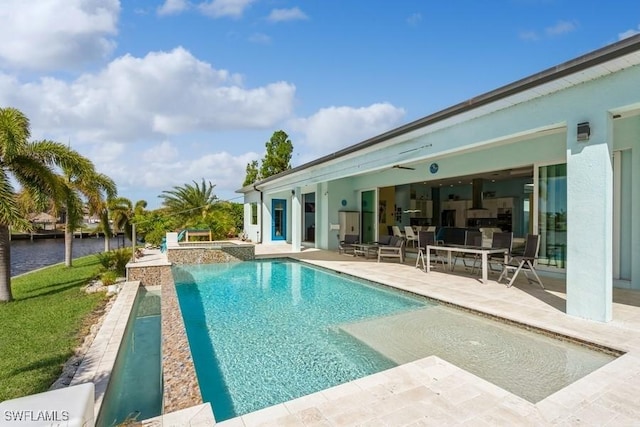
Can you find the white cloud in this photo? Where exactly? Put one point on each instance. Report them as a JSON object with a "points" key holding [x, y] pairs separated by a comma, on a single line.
{"points": [[529, 35], [165, 152], [333, 128], [260, 38], [223, 169], [220, 8], [414, 19], [171, 7], [134, 99], [56, 34], [629, 33], [561, 27], [293, 14]]}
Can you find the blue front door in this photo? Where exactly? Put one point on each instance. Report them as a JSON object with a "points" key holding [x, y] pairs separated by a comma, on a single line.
{"points": [[279, 219]]}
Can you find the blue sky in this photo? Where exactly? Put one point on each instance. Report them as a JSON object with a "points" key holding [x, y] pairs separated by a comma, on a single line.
{"points": [[159, 93]]}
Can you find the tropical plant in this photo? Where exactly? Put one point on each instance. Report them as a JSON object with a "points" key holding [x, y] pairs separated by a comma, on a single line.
{"points": [[123, 212], [189, 204], [31, 165], [108, 277], [152, 226], [115, 260], [82, 182]]}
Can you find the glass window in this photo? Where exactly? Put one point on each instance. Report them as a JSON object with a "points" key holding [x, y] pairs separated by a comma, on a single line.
{"points": [[254, 213], [552, 215]]}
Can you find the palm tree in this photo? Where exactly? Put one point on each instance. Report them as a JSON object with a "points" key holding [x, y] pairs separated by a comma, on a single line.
{"points": [[83, 183], [123, 211], [31, 166], [190, 203]]}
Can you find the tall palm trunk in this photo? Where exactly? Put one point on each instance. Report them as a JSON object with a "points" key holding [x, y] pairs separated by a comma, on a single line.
{"points": [[68, 241], [5, 264], [107, 243]]}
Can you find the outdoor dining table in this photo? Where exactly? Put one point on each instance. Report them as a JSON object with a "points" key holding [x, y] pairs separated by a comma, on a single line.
{"points": [[365, 249], [482, 251]]}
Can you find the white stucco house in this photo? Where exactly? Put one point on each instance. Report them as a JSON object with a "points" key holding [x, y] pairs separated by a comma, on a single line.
{"points": [[555, 154]]}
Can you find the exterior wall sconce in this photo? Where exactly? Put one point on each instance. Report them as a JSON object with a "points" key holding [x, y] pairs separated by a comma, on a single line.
{"points": [[584, 131]]}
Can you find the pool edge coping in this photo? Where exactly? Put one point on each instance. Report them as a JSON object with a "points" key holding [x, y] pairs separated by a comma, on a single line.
{"points": [[98, 363]]}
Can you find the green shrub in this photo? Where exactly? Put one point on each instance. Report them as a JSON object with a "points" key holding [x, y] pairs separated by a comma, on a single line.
{"points": [[120, 259], [115, 260], [105, 259], [108, 277]]}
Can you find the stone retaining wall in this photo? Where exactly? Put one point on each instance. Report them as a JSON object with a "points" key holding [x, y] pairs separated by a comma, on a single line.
{"points": [[151, 275], [210, 255]]}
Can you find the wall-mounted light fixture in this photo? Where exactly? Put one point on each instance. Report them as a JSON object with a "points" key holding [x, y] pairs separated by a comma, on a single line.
{"points": [[584, 131]]}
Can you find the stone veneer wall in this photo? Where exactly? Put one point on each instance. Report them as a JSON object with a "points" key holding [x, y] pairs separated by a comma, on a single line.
{"points": [[211, 255], [150, 275], [181, 388]]}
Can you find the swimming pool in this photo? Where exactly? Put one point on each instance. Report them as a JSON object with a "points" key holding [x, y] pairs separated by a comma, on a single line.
{"points": [[264, 332], [135, 387]]}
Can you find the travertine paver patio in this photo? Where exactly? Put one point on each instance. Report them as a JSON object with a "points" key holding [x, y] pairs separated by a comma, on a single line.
{"points": [[431, 391]]}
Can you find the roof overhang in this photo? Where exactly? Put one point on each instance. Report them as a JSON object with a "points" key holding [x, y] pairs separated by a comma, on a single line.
{"points": [[591, 66]]}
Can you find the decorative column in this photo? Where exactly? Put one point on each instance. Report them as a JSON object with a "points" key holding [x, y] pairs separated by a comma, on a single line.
{"points": [[590, 218], [296, 220]]}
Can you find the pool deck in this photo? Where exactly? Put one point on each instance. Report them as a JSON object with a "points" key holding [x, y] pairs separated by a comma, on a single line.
{"points": [[431, 391]]}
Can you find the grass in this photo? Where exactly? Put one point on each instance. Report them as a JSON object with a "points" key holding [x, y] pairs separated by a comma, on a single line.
{"points": [[48, 319]]}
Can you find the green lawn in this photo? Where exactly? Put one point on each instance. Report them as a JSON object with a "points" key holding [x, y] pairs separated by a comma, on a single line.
{"points": [[47, 320]]}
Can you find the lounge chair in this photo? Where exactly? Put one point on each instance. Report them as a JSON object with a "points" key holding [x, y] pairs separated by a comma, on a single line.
{"points": [[395, 249], [525, 262], [346, 246]]}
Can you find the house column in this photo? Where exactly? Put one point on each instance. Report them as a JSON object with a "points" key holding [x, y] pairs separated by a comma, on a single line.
{"points": [[296, 220], [590, 220], [635, 213]]}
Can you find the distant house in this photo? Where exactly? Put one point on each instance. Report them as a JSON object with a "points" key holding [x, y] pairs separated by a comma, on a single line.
{"points": [[555, 154], [43, 221]]}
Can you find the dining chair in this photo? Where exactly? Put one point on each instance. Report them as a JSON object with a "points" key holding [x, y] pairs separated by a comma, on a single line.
{"points": [[471, 238], [525, 262], [501, 240], [427, 238], [410, 235]]}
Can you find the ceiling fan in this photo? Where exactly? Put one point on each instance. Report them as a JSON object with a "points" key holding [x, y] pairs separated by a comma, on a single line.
{"points": [[403, 167]]}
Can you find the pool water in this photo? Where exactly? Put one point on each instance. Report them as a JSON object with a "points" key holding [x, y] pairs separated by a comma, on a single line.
{"points": [[264, 332], [135, 387]]}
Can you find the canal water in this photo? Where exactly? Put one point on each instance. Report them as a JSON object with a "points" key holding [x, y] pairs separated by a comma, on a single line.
{"points": [[27, 255]]}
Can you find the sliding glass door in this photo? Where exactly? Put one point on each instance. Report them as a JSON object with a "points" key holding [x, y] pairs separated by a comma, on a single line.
{"points": [[552, 215], [368, 216]]}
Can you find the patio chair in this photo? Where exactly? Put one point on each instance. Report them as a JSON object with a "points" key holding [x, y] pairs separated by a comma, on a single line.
{"points": [[500, 240], [427, 238], [525, 262], [384, 240], [410, 235], [346, 246], [471, 238], [395, 249], [396, 231]]}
